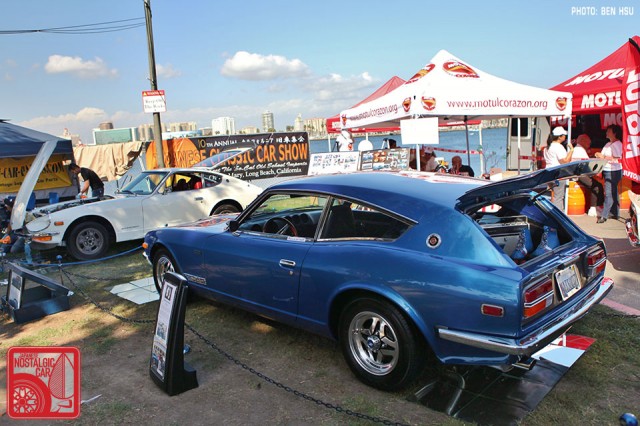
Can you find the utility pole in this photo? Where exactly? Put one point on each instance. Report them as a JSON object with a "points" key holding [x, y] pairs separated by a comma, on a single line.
{"points": [[157, 128]]}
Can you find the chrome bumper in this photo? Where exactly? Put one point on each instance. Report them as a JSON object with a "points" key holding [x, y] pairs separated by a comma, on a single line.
{"points": [[537, 340]]}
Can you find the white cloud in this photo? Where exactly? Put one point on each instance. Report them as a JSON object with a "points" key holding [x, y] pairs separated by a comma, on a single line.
{"points": [[253, 66], [96, 68], [167, 71], [81, 122]]}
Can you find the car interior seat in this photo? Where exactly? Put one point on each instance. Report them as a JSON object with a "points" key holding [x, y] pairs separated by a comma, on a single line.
{"points": [[181, 185], [340, 223]]}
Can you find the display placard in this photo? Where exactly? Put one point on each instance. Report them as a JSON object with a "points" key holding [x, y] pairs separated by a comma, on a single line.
{"points": [[421, 131], [167, 367]]}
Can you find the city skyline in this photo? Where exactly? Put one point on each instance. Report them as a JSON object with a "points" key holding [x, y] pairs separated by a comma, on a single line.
{"points": [[264, 58]]}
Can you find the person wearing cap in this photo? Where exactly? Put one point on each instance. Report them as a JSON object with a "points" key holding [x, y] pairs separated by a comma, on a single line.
{"points": [[554, 155], [611, 172], [90, 179], [428, 162]]}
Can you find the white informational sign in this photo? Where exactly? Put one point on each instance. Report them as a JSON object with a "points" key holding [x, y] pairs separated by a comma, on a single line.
{"points": [[420, 131], [15, 290], [334, 162], [160, 339], [154, 101]]}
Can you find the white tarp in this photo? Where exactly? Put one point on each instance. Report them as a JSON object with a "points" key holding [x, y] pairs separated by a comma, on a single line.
{"points": [[452, 90]]}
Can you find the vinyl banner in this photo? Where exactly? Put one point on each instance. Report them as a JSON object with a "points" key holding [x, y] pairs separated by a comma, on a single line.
{"points": [[271, 154], [14, 170], [631, 113]]}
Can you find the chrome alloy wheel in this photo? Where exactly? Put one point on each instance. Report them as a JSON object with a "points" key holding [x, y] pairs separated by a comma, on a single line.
{"points": [[161, 266], [373, 343], [90, 241]]}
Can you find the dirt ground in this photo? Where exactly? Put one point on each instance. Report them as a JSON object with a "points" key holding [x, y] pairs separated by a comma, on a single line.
{"points": [[266, 373], [115, 358]]}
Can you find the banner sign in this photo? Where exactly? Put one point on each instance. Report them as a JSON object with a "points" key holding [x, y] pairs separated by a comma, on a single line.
{"points": [[271, 154], [631, 114], [14, 170]]}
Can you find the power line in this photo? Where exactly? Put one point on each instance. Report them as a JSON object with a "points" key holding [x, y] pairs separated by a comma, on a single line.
{"points": [[97, 28]]}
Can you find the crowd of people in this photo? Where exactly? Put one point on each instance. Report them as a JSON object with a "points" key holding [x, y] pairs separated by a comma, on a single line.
{"points": [[602, 196]]}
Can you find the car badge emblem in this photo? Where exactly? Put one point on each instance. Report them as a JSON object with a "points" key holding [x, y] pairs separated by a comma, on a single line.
{"points": [[433, 241]]}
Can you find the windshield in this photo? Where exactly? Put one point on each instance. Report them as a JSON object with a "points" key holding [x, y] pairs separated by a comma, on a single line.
{"points": [[144, 183]]}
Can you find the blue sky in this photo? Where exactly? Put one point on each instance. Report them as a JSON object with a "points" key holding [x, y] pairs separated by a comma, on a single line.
{"points": [[241, 58]]}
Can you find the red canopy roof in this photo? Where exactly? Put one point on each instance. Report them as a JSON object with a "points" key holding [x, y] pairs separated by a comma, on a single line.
{"points": [[333, 123], [613, 86], [598, 88]]}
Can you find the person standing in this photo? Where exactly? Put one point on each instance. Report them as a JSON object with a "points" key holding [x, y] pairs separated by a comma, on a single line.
{"points": [[612, 172], [554, 155], [580, 152], [90, 178]]}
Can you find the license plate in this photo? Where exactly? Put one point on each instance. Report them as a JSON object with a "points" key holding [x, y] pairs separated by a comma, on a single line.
{"points": [[568, 281]]}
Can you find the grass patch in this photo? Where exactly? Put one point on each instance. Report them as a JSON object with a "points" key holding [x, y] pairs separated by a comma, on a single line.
{"points": [[109, 413]]}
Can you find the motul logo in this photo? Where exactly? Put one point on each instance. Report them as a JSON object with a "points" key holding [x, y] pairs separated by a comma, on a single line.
{"points": [[599, 100], [600, 75]]}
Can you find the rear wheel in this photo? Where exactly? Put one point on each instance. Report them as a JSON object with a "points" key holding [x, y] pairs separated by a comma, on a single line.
{"points": [[379, 345], [225, 209], [88, 241], [162, 263]]}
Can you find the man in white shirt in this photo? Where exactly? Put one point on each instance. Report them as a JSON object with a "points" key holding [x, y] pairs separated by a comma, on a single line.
{"points": [[554, 155]]}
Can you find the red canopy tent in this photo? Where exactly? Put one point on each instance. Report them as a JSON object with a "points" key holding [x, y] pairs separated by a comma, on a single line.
{"points": [[611, 88], [333, 123]]}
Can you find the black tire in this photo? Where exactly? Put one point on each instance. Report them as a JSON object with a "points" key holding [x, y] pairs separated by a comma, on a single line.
{"points": [[380, 346], [162, 263], [88, 241], [225, 209]]}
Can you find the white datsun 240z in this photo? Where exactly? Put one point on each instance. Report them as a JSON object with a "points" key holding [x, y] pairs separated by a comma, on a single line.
{"points": [[154, 199]]}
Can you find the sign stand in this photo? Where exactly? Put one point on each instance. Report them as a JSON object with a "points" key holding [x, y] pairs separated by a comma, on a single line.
{"points": [[167, 367], [31, 295]]}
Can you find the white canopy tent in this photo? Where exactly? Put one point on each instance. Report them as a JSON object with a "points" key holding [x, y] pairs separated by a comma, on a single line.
{"points": [[452, 90]]}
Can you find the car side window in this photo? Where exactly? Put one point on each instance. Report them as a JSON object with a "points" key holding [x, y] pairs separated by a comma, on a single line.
{"points": [[292, 215], [346, 219]]}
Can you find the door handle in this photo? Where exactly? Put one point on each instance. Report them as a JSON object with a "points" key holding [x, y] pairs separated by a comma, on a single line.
{"points": [[287, 263], [199, 198]]}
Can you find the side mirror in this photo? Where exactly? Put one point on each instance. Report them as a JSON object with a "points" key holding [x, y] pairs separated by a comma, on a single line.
{"points": [[233, 225]]}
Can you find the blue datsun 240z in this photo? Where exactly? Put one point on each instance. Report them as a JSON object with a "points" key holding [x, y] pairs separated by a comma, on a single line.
{"points": [[394, 263]]}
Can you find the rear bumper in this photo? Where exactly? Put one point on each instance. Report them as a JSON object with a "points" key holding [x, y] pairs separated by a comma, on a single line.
{"points": [[534, 341]]}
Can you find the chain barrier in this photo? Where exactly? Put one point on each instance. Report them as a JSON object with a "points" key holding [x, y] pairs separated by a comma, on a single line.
{"points": [[286, 388], [226, 355], [108, 311]]}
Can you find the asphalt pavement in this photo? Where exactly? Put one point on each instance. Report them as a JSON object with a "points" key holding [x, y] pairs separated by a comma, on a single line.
{"points": [[623, 261]]}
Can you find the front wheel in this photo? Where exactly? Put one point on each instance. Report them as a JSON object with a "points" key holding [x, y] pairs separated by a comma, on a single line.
{"points": [[162, 263], [380, 346], [88, 241], [225, 209]]}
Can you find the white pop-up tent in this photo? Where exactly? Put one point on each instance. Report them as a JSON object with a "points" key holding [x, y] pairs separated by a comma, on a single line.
{"points": [[452, 90]]}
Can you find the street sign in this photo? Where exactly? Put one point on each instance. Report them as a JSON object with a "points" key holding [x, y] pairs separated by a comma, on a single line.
{"points": [[154, 101]]}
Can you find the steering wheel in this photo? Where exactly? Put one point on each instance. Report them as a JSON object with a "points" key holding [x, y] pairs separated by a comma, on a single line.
{"points": [[280, 225]]}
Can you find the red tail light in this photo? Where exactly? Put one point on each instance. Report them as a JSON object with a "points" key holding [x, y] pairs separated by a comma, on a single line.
{"points": [[596, 262], [538, 297]]}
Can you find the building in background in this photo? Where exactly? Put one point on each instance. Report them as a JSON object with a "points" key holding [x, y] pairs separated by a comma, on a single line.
{"points": [[316, 127], [298, 125], [249, 130], [267, 122], [223, 126]]}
